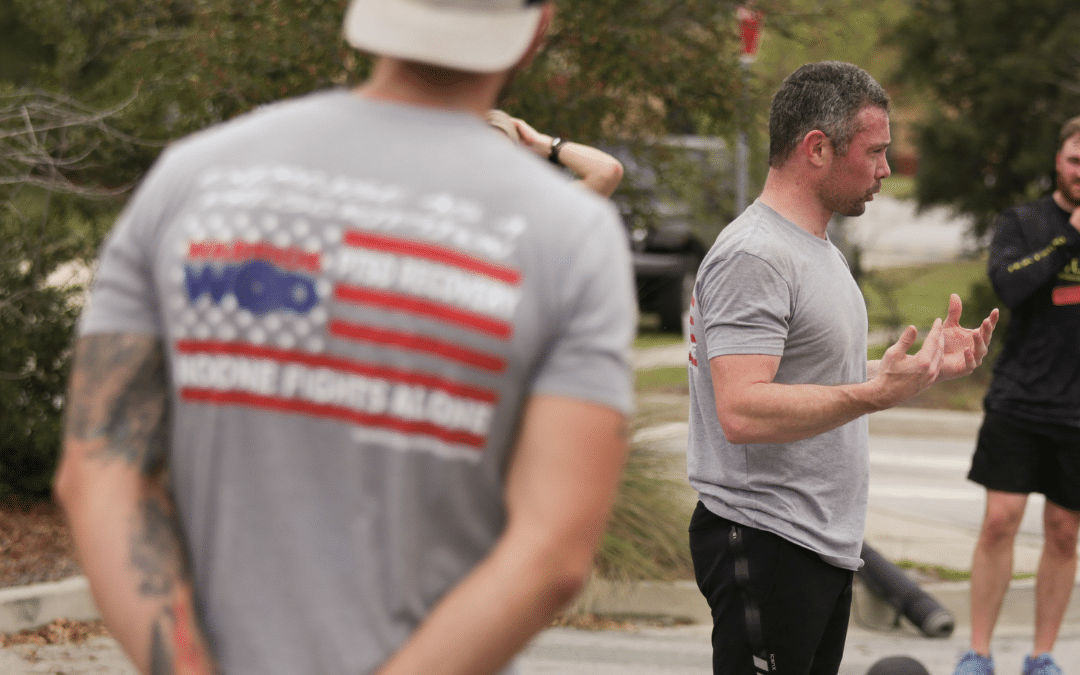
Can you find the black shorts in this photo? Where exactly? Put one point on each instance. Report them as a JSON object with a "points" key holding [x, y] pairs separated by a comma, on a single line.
{"points": [[1015, 455], [803, 601]]}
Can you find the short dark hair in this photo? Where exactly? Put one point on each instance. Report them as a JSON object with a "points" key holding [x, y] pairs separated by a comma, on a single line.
{"points": [[825, 96], [1068, 130]]}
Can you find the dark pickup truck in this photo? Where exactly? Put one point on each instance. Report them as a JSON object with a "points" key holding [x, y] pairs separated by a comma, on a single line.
{"points": [[677, 194]]}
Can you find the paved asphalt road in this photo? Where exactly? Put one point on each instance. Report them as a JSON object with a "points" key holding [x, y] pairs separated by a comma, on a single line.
{"points": [[685, 651], [644, 651], [927, 478]]}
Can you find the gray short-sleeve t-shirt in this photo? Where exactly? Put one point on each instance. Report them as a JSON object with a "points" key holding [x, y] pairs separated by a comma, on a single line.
{"points": [[356, 300], [769, 287]]}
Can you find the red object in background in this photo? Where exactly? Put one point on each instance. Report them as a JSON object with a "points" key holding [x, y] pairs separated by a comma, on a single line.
{"points": [[749, 29]]}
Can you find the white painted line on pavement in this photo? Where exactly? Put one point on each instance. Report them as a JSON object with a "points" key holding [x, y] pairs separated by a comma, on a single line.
{"points": [[921, 461], [972, 494]]}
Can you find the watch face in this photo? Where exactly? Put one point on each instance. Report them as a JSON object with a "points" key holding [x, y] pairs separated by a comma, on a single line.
{"points": [[556, 144]]}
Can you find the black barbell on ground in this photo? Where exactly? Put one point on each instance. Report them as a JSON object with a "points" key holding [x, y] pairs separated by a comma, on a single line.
{"points": [[891, 584]]}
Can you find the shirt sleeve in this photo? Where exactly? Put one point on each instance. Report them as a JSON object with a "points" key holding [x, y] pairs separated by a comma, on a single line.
{"points": [[745, 306], [1020, 263], [123, 297], [590, 358]]}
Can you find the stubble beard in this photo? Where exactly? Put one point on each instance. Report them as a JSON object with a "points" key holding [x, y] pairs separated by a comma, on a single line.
{"points": [[850, 207], [1069, 191], [857, 208]]}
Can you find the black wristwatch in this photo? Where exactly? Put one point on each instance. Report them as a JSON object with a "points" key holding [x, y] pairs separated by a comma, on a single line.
{"points": [[556, 145]]}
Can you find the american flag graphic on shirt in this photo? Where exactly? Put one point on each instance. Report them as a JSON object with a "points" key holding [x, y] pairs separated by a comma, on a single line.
{"points": [[276, 263]]}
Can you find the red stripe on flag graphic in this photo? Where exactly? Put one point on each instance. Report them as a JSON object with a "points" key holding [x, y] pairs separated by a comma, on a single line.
{"points": [[418, 343], [333, 412], [418, 249], [407, 303]]}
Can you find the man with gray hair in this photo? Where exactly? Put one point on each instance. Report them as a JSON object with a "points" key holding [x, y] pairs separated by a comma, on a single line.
{"points": [[780, 385], [350, 394], [1030, 436]]}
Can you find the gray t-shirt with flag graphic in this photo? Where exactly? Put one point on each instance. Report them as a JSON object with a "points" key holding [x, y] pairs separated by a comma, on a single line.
{"points": [[356, 298]]}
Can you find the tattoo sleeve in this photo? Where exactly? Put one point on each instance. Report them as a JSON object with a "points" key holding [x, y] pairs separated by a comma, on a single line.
{"points": [[118, 412], [119, 396]]}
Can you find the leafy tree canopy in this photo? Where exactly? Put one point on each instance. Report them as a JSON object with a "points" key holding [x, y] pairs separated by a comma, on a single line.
{"points": [[1003, 75], [91, 90], [182, 64], [611, 68], [633, 68]]}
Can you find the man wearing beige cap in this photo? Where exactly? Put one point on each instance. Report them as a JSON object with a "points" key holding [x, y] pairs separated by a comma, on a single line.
{"points": [[350, 393]]}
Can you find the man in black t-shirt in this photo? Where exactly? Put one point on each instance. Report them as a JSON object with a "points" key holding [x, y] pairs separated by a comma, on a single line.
{"points": [[1030, 437]]}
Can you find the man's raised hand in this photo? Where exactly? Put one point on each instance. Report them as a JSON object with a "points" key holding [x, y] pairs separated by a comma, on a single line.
{"points": [[965, 348]]}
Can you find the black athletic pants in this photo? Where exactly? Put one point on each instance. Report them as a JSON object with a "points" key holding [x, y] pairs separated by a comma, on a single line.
{"points": [[803, 603]]}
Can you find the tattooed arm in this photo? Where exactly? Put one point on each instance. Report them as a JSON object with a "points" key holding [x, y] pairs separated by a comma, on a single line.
{"points": [[113, 486]]}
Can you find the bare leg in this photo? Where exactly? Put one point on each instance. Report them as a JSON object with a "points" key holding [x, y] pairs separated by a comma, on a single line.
{"points": [[992, 564], [1057, 574]]}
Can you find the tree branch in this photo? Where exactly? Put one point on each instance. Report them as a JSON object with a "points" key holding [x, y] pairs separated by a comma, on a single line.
{"points": [[34, 146]]}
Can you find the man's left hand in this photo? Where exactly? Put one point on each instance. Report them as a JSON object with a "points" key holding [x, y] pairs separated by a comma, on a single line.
{"points": [[965, 348]]}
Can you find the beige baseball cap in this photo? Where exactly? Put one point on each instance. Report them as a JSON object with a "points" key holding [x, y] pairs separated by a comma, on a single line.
{"points": [[483, 36]]}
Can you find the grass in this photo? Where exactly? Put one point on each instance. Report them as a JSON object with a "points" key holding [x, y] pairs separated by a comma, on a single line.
{"points": [[934, 572], [666, 380], [942, 573], [646, 339], [916, 295]]}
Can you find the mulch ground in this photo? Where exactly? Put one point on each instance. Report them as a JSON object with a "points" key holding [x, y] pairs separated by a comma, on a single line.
{"points": [[35, 546], [58, 632]]}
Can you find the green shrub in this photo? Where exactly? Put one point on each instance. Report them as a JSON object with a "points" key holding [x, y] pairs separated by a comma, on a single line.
{"points": [[43, 242], [36, 324], [647, 536]]}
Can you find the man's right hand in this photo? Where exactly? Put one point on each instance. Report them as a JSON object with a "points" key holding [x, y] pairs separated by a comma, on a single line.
{"points": [[900, 375]]}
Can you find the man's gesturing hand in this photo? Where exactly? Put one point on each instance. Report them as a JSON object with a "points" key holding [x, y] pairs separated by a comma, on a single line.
{"points": [[965, 348], [901, 375]]}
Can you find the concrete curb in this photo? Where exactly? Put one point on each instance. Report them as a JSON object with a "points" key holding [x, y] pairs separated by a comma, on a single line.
{"points": [[35, 605], [681, 601], [24, 607], [1017, 610]]}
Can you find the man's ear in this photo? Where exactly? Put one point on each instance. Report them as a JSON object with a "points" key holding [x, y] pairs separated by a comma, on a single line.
{"points": [[816, 147], [547, 10]]}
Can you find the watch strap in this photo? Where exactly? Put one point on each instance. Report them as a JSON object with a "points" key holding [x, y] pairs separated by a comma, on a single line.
{"points": [[556, 145]]}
